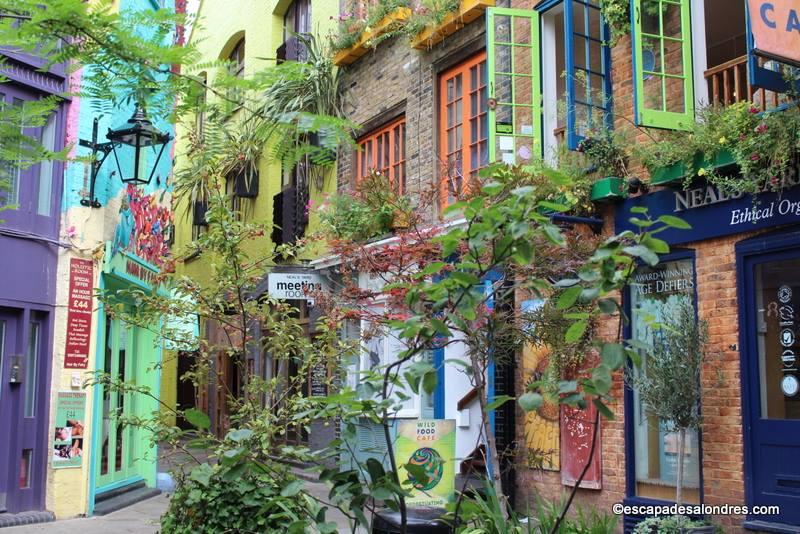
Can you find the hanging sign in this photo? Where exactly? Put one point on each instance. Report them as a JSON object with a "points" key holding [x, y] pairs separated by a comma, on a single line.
{"points": [[79, 313], [319, 380], [775, 29], [67, 449], [295, 286], [430, 446]]}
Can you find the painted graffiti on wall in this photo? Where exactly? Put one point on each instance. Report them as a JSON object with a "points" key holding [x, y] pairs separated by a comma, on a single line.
{"points": [[144, 227]]}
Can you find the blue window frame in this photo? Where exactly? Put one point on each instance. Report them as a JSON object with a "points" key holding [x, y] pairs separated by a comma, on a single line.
{"points": [[588, 61], [576, 65]]}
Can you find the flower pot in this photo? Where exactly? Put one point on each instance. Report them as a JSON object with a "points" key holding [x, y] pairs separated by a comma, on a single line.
{"points": [[400, 220], [244, 186], [609, 189], [199, 209]]}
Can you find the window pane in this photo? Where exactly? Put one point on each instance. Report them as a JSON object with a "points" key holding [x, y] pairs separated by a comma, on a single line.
{"points": [[656, 295], [31, 370], [777, 284], [25, 468], [46, 168]]}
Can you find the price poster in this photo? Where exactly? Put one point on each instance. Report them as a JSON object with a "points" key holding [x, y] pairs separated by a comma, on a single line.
{"points": [[429, 446], [79, 313], [67, 450]]}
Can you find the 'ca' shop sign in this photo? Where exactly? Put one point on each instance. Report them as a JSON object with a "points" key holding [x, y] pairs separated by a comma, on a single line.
{"points": [[295, 286], [775, 27]]}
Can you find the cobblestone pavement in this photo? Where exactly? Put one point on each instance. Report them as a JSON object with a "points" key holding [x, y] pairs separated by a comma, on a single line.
{"points": [[140, 518]]}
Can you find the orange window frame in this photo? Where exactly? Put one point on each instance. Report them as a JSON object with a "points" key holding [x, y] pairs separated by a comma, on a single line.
{"points": [[463, 127], [384, 150]]}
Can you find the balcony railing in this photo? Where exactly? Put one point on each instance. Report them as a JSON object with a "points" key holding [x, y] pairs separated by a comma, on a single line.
{"points": [[728, 84]]}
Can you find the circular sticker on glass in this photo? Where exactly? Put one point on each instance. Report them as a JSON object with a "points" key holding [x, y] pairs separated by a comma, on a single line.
{"points": [[524, 152], [790, 385], [787, 337], [784, 294]]}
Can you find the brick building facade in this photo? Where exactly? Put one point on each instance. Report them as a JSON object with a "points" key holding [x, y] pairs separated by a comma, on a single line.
{"points": [[735, 458]]}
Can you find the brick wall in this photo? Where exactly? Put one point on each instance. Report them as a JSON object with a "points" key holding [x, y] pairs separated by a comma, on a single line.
{"points": [[397, 77]]}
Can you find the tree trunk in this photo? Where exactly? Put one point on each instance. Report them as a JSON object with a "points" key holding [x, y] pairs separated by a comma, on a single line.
{"points": [[491, 444], [679, 483]]}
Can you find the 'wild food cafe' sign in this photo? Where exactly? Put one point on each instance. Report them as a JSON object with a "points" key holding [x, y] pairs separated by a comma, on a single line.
{"points": [[713, 213]]}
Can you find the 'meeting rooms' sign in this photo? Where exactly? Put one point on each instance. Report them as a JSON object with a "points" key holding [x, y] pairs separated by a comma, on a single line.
{"points": [[296, 285]]}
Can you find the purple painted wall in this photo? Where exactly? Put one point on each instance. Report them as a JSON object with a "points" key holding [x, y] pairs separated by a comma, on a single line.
{"points": [[28, 261]]}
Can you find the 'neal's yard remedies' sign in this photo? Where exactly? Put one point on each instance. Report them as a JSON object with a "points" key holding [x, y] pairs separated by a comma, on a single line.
{"points": [[713, 213], [295, 286]]}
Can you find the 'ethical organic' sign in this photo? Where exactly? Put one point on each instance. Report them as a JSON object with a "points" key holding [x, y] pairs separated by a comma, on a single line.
{"points": [[775, 25]]}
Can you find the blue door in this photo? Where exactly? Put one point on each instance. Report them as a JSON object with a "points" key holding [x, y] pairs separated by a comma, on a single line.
{"points": [[769, 288]]}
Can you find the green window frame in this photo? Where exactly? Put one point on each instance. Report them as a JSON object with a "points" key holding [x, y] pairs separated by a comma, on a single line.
{"points": [[512, 53], [664, 95]]}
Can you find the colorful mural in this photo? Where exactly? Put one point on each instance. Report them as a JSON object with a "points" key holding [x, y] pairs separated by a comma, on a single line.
{"points": [[542, 425], [144, 227]]}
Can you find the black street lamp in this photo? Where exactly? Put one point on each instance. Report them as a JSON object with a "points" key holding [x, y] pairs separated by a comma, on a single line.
{"points": [[135, 141]]}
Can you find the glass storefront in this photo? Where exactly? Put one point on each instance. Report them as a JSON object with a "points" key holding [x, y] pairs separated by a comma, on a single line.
{"points": [[777, 285], [656, 294]]}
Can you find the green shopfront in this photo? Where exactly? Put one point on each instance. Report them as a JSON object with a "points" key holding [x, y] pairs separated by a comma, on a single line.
{"points": [[124, 457]]}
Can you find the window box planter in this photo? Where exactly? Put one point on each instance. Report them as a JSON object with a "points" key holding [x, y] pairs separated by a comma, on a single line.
{"points": [[468, 11], [386, 24], [676, 172], [721, 159], [609, 189], [670, 174]]}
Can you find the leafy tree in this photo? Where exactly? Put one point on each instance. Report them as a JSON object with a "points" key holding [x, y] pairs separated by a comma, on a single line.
{"points": [[669, 381]]}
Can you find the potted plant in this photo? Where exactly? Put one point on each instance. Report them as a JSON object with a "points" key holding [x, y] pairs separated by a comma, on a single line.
{"points": [[669, 387], [676, 524], [608, 161]]}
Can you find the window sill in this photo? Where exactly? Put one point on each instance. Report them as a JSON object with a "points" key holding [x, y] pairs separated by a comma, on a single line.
{"points": [[385, 25], [468, 11]]}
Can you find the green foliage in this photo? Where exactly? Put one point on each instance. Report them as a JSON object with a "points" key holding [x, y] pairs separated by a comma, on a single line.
{"points": [[669, 383], [482, 513], [617, 15], [676, 524], [425, 13], [763, 146], [604, 151], [238, 496], [372, 211]]}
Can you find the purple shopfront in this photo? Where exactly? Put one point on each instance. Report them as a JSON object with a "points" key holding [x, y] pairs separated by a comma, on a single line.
{"points": [[28, 259]]}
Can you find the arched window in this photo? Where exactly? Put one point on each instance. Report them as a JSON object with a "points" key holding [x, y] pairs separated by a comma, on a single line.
{"points": [[236, 58]]}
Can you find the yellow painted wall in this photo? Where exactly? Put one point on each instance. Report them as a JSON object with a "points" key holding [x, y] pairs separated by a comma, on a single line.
{"points": [[168, 393], [218, 29]]}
